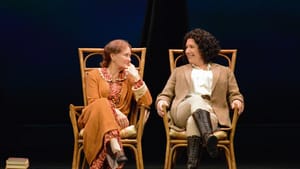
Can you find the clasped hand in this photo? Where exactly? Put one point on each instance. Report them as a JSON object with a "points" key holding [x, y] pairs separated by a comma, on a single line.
{"points": [[238, 104], [160, 106]]}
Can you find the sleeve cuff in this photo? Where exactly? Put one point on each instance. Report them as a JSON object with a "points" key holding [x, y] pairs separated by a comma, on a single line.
{"points": [[139, 89], [138, 84]]}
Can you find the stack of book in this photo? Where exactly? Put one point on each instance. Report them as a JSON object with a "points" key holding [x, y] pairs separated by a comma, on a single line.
{"points": [[17, 163]]}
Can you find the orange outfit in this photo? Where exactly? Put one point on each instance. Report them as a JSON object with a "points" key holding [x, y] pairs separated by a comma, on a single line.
{"points": [[99, 118]]}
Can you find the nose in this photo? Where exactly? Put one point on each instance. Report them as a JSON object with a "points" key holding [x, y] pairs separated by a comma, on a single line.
{"points": [[187, 50]]}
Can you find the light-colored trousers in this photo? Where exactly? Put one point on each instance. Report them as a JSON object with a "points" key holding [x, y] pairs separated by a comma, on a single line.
{"points": [[183, 116]]}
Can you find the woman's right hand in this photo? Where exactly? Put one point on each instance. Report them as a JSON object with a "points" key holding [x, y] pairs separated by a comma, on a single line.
{"points": [[159, 107], [122, 119]]}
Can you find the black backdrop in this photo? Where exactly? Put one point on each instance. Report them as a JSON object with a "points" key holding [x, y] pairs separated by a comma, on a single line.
{"points": [[40, 70]]}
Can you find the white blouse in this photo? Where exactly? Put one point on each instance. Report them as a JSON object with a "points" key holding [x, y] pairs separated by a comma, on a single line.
{"points": [[202, 80]]}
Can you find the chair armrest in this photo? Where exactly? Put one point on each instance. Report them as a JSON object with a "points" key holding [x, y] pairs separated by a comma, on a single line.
{"points": [[166, 120], [143, 115], [144, 112], [234, 121], [145, 106], [74, 113]]}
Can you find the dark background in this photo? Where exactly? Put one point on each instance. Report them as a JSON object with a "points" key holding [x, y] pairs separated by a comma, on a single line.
{"points": [[40, 68]]}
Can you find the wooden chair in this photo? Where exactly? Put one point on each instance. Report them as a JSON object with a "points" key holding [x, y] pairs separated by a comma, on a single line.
{"points": [[131, 137], [176, 139]]}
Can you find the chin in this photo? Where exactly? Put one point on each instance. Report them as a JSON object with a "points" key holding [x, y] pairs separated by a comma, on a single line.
{"points": [[190, 61]]}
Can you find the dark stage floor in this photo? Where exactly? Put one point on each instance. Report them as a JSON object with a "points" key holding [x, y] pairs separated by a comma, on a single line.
{"points": [[207, 163], [254, 165], [258, 147]]}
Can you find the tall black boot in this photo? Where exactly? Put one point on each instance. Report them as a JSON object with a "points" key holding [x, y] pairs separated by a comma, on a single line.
{"points": [[193, 150], [202, 119]]}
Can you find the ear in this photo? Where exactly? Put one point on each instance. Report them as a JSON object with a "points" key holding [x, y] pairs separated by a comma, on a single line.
{"points": [[112, 57]]}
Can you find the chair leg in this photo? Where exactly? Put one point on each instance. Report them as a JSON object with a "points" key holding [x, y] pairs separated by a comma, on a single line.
{"points": [[74, 160], [167, 155], [227, 153], [172, 157], [140, 157], [84, 164], [232, 156], [80, 155]]}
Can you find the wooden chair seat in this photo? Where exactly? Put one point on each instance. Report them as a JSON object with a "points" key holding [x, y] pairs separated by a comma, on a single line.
{"points": [[126, 133], [221, 135]]}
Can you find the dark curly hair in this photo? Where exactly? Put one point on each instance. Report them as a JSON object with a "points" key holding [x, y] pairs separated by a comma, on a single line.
{"points": [[208, 45]]}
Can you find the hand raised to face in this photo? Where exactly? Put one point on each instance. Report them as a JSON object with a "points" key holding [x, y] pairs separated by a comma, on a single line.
{"points": [[133, 72]]}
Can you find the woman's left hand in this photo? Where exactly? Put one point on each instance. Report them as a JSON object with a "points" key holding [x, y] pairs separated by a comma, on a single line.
{"points": [[133, 72], [238, 104], [122, 119]]}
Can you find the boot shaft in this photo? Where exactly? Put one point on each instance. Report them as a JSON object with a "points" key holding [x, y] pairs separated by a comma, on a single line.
{"points": [[194, 145], [203, 121]]}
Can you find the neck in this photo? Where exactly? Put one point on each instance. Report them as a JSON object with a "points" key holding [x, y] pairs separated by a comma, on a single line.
{"points": [[202, 66], [113, 71]]}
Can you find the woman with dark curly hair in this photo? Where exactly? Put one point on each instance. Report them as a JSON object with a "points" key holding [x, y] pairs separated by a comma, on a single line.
{"points": [[199, 93]]}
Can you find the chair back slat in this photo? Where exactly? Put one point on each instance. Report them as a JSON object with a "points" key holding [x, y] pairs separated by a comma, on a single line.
{"points": [[226, 57]]}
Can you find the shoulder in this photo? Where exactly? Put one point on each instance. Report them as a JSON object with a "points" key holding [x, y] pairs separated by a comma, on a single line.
{"points": [[183, 68], [216, 66], [93, 71]]}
